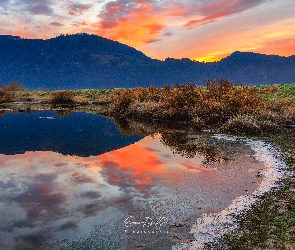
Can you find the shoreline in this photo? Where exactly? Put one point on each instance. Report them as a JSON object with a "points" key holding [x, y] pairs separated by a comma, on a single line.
{"points": [[211, 228]]}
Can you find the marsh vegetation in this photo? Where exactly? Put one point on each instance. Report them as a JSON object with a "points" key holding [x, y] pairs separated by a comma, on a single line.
{"points": [[221, 106]]}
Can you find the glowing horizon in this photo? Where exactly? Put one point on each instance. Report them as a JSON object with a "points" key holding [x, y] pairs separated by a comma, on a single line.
{"points": [[199, 30]]}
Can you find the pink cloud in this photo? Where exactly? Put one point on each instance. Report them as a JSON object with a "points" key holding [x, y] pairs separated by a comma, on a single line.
{"points": [[56, 24], [152, 41], [223, 8], [76, 9]]}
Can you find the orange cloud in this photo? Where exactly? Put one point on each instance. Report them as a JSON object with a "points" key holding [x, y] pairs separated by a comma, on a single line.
{"points": [[282, 47], [132, 22], [134, 166]]}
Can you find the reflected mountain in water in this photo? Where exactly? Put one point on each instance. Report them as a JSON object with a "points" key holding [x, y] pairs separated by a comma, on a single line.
{"points": [[79, 134]]}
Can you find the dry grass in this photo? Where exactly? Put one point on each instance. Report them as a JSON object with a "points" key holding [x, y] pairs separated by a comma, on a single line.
{"points": [[5, 95], [222, 105], [62, 97]]}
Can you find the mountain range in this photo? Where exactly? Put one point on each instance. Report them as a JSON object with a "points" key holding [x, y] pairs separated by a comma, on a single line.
{"points": [[83, 61]]}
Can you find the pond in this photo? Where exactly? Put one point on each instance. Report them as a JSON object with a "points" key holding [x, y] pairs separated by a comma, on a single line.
{"points": [[80, 181]]}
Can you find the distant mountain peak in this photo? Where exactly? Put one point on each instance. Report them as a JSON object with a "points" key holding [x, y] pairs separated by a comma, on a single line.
{"points": [[10, 37]]}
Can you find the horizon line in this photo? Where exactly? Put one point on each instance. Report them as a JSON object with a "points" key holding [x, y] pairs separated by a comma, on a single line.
{"points": [[203, 59]]}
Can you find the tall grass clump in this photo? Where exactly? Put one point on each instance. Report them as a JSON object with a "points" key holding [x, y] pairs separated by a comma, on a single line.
{"points": [[62, 97], [6, 91], [5, 95], [16, 86], [135, 102]]}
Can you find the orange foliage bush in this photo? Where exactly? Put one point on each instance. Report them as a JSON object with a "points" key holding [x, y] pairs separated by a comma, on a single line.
{"points": [[221, 105], [5, 95], [62, 97]]}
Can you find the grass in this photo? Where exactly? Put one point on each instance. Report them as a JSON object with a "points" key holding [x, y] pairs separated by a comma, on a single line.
{"points": [[221, 105], [77, 96], [62, 97], [279, 91]]}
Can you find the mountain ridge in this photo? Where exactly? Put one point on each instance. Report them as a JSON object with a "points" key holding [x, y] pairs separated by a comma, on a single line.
{"points": [[88, 61]]}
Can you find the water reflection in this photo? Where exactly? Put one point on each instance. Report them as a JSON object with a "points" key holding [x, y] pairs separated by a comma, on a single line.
{"points": [[49, 197], [181, 139], [74, 134], [64, 112], [145, 194]]}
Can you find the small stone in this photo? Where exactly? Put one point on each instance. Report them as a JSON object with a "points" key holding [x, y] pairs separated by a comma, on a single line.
{"points": [[259, 174]]}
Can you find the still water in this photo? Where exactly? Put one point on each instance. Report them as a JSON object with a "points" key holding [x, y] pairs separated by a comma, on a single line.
{"points": [[75, 182]]}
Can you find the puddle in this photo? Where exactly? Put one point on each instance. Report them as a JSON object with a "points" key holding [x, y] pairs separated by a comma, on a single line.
{"points": [[142, 195]]}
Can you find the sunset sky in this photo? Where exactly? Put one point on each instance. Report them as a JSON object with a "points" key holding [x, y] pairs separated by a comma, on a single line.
{"points": [[197, 29]]}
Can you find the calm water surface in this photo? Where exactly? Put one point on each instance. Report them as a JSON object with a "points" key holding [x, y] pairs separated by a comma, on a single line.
{"points": [[76, 183]]}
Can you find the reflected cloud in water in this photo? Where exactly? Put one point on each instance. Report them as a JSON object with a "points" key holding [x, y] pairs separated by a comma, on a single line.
{"points": [[88, 189], [65, 197]]}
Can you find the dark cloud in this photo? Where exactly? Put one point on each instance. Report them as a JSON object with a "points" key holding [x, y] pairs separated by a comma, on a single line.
{"points": [[17, 224], [33, 240], [217, 9], [93, 208], [125, 200], [69, 225], [168, 34], [60, 164], [152, 41], [78, 25], [59, 25], [81, 178], [115, 12], [46, 178], [42, 203], [6, 185], [4, 3], [91, 195], [78, 8], [40, 9]]}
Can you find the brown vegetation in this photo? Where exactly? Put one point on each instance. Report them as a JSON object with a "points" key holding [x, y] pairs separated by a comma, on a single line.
{"points": [[6, 91], [222, 105], [62, 97], [5, 95], [15, 86]]}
